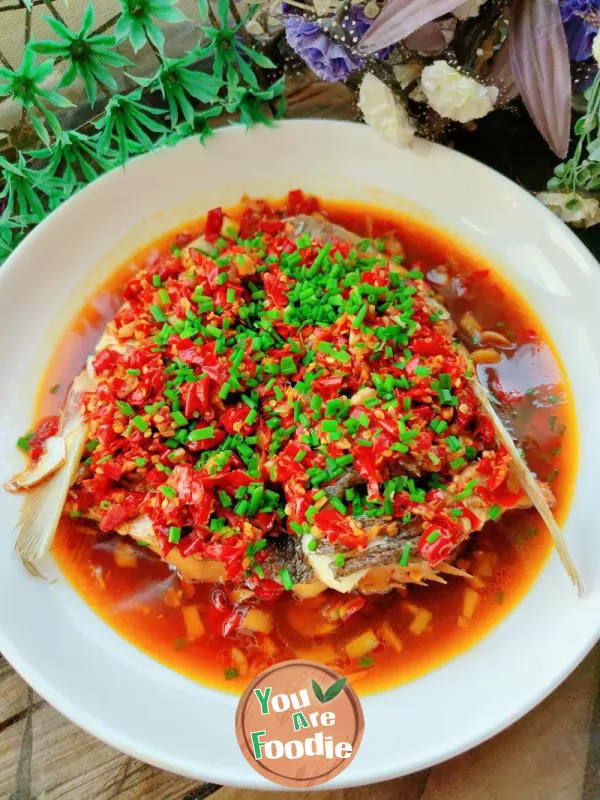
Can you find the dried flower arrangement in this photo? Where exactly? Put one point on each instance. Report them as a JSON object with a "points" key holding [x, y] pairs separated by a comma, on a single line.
{"points": [[416, 68], [420, 67]]}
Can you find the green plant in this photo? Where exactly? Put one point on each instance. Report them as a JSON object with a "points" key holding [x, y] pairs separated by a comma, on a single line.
{"points": [[180, 86], [139, 22], [89, 55], [25, 86], [26, 194], [126, 126], [581, 172], [180, 98]]}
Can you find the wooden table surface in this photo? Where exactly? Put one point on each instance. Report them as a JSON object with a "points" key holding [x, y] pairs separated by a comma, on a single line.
{"points": [[551, 754]]}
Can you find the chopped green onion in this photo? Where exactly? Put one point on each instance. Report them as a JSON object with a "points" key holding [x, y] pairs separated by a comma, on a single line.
{"points": [[125, 408], [174, 534], [405, 554], [199, 434], [178, 418], [286, 579], [158, 314], [454, 443]]}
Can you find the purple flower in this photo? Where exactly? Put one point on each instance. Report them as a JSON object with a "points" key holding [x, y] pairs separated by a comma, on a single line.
{"points": [[576, 16], [327, 59], [356, 24]]}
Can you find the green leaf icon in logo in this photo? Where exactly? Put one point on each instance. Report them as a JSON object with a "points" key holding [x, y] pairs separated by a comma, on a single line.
{"points": [[331, 693], [318, 692]]}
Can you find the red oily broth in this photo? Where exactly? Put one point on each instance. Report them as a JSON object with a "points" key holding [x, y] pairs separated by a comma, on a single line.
{"points": [[418, 629]]}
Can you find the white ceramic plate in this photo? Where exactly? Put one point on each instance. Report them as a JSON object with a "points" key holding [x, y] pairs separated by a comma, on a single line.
{"points": [[125, 698]]}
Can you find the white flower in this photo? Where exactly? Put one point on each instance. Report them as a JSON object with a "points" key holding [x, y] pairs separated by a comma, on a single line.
{"points": [[596, 48], [383, 113], [582, 212], [454, 95], [470, 8]]}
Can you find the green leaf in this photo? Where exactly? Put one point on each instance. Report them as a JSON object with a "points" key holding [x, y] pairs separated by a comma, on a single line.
{"points": [[318, 692], [247, 73], [39, 127], [259, 58], [69, 76], [203, 11], [104, 77], [199, 85], [50, 48], [156, 36], [89, 83], [60, 29], [223, 12], [88, 20], [334, 689]]}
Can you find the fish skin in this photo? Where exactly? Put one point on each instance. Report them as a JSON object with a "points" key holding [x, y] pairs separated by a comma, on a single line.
{"points": [[384, 549]]}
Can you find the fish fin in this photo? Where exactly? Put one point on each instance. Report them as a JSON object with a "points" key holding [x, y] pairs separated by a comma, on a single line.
{"points": [[450, 569], [53, 457], [43, 504], [529, 484]]}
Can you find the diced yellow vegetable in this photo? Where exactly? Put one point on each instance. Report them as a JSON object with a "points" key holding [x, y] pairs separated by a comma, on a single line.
{"points": [[125, 555], [471, 599], [258, 620], [362, 644], [389, 636], [421, 621], [240, 662], [193, 623]]}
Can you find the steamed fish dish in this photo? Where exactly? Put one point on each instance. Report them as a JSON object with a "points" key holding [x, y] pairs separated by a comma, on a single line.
{"points": [[284, 421]]}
